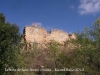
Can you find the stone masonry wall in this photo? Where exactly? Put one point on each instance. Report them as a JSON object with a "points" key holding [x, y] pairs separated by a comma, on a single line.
{"points": [[40, 35], [36, 34], [58, 36]]}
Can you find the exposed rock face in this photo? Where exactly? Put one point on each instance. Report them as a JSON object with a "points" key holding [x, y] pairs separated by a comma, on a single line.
{"points": [[39, 35]]}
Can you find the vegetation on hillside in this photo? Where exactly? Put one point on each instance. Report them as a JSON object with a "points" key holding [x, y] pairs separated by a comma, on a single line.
{"points": [[80, 56]]}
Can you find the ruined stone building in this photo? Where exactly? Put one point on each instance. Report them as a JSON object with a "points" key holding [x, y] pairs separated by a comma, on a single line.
{"points": [[36, 34]]}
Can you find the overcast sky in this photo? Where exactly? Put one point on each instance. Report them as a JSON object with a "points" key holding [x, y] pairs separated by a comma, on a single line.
{"points": [[67, 15]]}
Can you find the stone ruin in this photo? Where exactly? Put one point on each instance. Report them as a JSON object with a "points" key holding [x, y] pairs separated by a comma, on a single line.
{"points": [[37, 34]]}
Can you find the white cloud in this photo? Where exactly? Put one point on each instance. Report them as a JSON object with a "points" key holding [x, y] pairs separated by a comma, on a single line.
{"points": [[89, 6]]}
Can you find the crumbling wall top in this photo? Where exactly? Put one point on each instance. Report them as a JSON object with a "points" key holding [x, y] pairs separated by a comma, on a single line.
{"points": [[57, 31], [39, 34]]}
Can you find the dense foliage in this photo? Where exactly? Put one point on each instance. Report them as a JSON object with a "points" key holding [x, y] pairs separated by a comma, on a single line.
{"points": [[88, 49], [9, 41]]}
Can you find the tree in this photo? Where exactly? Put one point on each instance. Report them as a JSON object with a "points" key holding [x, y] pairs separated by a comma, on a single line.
{"points": [[88, 49], [2, 18], [9, 41]]}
